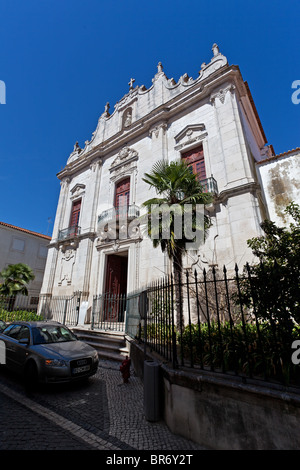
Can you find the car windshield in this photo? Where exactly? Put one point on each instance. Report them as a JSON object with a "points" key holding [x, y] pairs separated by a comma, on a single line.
{"points": [[52, 334]]}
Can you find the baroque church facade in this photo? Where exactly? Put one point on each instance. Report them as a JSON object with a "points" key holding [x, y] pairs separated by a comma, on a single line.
{"points": [[210, 121]]}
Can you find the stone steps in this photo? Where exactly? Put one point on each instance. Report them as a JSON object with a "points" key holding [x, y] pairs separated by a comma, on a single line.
{"points": [[110, 345]]}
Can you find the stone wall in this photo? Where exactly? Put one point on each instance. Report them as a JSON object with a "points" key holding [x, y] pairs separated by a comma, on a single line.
{"points": [[223, 413]]}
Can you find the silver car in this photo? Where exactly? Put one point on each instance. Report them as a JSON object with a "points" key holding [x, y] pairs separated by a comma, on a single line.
{"points": [[46, 352]]}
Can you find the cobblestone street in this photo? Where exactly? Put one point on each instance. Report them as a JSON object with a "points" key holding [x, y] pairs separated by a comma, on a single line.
{"points": [[102, 414]]}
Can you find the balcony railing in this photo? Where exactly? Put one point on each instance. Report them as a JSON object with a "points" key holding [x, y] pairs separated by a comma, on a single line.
{"points": [[209, 185], [116, 213], [69, 232]]}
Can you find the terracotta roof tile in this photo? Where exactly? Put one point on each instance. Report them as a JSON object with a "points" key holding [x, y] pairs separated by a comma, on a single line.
{"points": [[275, 157], [25, 230]]}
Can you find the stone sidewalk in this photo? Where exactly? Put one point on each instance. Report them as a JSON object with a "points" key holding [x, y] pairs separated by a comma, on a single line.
{"points": [[104, 414]]}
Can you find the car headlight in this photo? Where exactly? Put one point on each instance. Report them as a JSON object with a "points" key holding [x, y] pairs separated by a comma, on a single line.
{"points": [[55, 362]]}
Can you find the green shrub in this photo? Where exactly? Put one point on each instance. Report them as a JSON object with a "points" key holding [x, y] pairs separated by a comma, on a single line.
{"points": [[18, 315], [241, 349]]}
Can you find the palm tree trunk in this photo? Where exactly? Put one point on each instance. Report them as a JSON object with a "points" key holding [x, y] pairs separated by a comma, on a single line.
{"points": [[177, 268], [11, 303]]}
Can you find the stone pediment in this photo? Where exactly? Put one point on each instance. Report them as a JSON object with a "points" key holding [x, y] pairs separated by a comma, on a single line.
{"points": [[77, 190], [190, 134]]}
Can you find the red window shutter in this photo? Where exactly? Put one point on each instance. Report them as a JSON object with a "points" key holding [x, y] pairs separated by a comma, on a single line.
{"points": [[195, 159], [74, 219], [122, 195]]}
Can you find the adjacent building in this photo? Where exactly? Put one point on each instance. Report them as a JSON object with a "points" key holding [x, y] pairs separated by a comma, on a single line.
{"points": [[280, 179], [18, 245]]}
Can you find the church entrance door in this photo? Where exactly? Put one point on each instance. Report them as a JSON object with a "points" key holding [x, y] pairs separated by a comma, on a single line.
{"points": [[115, 287]]}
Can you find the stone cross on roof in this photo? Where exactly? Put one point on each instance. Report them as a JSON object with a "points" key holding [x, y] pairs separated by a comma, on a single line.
{"points": [[132, 80]]}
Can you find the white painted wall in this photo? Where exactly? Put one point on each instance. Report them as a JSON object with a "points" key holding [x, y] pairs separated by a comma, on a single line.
{"points": [[280, 177]]}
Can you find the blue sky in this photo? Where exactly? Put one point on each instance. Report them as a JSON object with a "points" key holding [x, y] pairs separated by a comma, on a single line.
{"points": [[62, 60]]}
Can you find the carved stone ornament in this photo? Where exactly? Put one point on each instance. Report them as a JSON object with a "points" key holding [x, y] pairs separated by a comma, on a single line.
{"points": [[68, 245], [160, 73], [65, 182], [67, 263], [127, 117], [221, 94], [69, 254], [106, 110], [95, 164], [75, 154], [77, 188], [125, 155], [116, 245], [155, 130], [77, 191], [215, 49]]}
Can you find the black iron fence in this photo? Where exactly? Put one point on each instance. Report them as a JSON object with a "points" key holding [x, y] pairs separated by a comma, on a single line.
{"points": [[206, 323], [117, 312], [64, 309], [18, 303], [109, 312]]}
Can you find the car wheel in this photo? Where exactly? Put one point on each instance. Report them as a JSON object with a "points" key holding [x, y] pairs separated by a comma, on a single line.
{"points": [[31, 376]]}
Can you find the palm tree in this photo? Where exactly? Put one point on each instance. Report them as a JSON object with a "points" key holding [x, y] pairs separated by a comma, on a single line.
{"points": [[178, 187], [15, 277]]}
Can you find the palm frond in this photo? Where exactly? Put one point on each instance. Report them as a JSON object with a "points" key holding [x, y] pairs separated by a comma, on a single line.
{"points": [[177, 186]]}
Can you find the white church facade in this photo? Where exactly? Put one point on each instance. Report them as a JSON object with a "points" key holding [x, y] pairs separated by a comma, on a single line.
{"points": [[210, 121]]}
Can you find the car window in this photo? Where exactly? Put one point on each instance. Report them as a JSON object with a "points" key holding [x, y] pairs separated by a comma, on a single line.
{"points": [[52, 334], [7, 329], [12, 331], [24, 333], [17, 332]]}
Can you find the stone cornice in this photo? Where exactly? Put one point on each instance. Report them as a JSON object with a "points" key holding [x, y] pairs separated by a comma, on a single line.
{"points": [[225, 194], [117, 243]]}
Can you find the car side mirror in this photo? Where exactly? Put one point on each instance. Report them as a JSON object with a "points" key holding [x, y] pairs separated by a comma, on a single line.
{"points": [[24, 341]]}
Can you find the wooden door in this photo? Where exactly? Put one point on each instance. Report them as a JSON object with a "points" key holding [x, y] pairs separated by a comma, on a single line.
{"points": [[115, 287]]}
